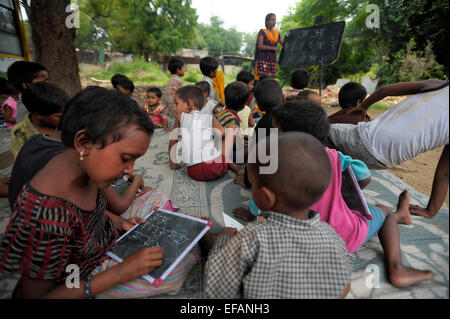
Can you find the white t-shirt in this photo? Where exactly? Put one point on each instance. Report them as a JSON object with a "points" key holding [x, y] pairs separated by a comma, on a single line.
{"points": [[197, 138], [416, 125], [209, 107]]}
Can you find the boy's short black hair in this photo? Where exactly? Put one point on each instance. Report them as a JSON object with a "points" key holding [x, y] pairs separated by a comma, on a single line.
{"points": [[268, 94], [103, 114], [236, 95], [193, 93], [117, 78], [44, 98], [204, 86], [208, 65], [304, 170], [245, 76], [351, 93], [155, 90], [302, 115], [300, 79], [175, 65], [127, 84], [23, 72], [265, 77]]}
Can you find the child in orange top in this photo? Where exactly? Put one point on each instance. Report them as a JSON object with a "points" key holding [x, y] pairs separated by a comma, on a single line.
{"points": [[155, 110]]}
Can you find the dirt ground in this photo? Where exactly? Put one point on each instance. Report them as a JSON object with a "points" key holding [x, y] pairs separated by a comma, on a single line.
{"points": [[418, 172]]}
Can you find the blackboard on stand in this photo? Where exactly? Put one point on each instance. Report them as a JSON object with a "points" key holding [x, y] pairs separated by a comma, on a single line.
{"points": [[317, 45], [175, 233]]}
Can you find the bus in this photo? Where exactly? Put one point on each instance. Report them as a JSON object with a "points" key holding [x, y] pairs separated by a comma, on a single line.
{"points": [[13, 39]]}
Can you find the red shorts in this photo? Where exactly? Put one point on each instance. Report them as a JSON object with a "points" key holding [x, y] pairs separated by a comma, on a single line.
{"points": [[209, 171]]}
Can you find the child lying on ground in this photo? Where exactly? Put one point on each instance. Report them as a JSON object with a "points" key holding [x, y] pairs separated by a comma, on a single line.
{"points": [[417, 125], [259, 261]]}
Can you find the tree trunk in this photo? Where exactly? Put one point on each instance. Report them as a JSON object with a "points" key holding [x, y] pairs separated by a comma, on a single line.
{"points": [[54, 43]]}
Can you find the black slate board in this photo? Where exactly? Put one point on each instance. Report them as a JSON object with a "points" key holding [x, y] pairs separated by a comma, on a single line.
{"points": [[317, 45], [172, 232]]}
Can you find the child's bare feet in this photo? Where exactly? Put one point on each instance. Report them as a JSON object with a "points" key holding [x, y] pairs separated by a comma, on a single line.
{"points": [[402, 216], [402, 276], [244, 214]]}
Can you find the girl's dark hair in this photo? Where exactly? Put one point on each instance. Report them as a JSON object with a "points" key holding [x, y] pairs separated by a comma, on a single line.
{"points": [[103, 114], [245, 76], [301, 115], [175, 65], [23, 72], [236, 94], [351, 93], [117, 78], [44, 98], [155, 90], [208, 65], [193, 93], [270, 15]]}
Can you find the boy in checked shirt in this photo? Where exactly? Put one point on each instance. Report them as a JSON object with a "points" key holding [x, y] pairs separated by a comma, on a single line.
{"points": [[293, 254]]}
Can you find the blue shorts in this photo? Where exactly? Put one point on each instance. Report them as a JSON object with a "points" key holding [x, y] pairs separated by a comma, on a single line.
{"points": [[376, 223]]}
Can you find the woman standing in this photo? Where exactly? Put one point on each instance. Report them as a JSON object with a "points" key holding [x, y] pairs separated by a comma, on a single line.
{"points": [[267, 48]]}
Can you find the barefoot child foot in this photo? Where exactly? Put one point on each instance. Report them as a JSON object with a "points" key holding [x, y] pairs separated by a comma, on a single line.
{"points": [[402, 276], [402, 215]]}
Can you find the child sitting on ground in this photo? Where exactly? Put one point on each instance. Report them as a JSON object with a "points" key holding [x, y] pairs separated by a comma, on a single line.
{"points": [[299, 81], [45, 103], [61, 213], [206, 161], [354, 228], [259, 261], [210, 105], [21, 74], [9, 106], [208, 67], [155, 110], [351, 95], [177, 70]]}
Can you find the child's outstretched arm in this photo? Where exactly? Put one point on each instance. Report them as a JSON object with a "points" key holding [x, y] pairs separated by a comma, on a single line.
{"points": [[400, 89]]}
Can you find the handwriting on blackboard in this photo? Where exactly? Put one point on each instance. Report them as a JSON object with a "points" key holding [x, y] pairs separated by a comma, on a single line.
{"points": [[318, 45], [173, 233]]}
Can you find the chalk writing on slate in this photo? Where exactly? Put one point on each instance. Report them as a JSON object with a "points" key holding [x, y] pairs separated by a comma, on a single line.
{"points": [[172, 232], [317, 45]]}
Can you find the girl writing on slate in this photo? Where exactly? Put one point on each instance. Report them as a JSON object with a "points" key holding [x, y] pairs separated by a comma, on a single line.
{"points": [[60, 219]]}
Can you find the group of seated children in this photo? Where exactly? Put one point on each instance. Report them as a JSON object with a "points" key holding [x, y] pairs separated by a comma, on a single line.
{"points": [[66, 211]]}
